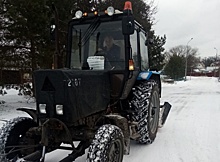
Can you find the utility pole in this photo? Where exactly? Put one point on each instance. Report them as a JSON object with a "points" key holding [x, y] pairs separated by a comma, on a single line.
{"points": [[186, 58], [216, 60]]}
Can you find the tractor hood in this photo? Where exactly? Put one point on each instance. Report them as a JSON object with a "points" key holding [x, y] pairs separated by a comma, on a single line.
{"points": [[80, 93]]}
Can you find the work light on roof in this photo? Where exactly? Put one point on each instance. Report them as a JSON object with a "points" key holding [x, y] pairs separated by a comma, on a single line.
{"points": [[110, 11], [78, 14]]}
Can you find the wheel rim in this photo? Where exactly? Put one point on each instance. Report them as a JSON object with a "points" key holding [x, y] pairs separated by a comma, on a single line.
{"points": [[154, 112], [115, 151]]}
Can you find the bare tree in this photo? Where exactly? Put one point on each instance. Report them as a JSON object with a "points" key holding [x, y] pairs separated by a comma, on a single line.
{"points": [[185, 51]]}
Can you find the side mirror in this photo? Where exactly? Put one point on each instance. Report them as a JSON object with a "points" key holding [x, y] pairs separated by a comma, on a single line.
{"points": [[128, 25]]}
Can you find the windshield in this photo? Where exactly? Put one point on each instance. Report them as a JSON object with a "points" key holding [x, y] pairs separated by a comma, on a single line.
{"points": [[97, 46]]}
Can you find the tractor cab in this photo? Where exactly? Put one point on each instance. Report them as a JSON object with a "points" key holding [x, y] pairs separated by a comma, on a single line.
{"points": [[98, 45], [108, 41]]}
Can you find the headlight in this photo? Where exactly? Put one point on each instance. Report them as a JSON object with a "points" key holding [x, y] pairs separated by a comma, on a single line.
{"points": [[59, 109], [42, 108]]}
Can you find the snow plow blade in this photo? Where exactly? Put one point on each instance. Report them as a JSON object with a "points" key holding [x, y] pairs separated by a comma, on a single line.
{"points": [[164, 111]]}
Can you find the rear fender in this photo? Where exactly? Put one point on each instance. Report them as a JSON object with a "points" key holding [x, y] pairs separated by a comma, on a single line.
{"points": [[151, 75]]}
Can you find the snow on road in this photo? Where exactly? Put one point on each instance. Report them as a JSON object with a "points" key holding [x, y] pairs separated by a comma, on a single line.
{"points": [[191, 133], [12, 102]]}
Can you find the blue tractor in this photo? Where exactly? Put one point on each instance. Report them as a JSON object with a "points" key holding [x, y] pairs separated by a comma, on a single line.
{"points": [[105, 97]]}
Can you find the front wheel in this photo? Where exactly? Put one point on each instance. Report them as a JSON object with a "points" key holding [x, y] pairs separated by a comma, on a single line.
{"points": [[14, 142], [107, 146]]}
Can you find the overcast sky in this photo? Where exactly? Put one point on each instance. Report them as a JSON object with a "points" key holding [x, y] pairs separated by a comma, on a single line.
{"points": [[181, 20]]}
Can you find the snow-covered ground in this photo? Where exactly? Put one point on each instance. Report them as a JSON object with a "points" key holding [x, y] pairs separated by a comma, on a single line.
{"points": [[191, 133]]}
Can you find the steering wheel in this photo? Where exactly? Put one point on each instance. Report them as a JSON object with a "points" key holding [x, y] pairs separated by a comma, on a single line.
{"points": [[100, 53]]}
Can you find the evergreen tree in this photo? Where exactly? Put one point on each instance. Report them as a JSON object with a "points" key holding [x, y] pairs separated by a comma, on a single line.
{"points": [[175, 67], [156, 52], [24, 31], [176, 63], [26, 28]]}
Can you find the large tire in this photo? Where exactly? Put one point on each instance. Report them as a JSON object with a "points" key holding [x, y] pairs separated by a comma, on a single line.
{"points": [[145, 103], [13, 133], [107, 146]]}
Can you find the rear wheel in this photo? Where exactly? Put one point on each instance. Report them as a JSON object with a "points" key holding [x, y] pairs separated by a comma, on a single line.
{"points": [[14, 142], [145, 103], [107, 146]]}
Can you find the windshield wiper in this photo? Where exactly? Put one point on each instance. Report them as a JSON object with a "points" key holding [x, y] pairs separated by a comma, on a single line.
{"points": [[91, 29], [88, 33]]}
